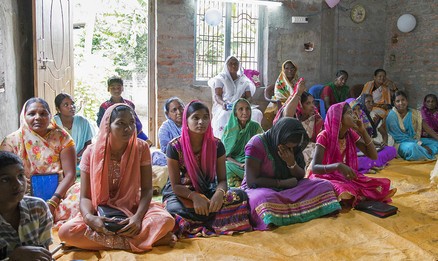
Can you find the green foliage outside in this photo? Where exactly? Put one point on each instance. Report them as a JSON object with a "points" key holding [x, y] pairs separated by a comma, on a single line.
{"points": [[114, 41]]}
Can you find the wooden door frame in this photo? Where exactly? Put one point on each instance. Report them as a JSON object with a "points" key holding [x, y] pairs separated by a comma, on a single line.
{"points": [[152, 79]]}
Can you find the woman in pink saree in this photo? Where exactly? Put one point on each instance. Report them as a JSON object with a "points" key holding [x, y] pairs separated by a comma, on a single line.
{"points": [[116, 172], [335, 158]]}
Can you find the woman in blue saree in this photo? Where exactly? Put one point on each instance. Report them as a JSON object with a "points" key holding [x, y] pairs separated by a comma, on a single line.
{"points": [[404, 125]]}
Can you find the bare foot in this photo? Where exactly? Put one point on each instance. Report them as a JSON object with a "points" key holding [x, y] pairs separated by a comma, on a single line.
{"points": [[168, 240], [346, 204], [272, 226], [391, 193]]}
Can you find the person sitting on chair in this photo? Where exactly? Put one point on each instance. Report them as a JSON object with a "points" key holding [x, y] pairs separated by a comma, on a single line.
{"points": [[336, 91]]}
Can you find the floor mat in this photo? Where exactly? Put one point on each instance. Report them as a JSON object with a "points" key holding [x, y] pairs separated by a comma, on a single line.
{"points": [[411, 234]]}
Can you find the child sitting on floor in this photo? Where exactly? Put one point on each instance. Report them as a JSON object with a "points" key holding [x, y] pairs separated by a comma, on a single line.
{"points": [[25, 222]]}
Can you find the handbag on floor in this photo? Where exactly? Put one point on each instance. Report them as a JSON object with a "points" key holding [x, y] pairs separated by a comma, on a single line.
{"points": [[376, 208], [109, 212]]}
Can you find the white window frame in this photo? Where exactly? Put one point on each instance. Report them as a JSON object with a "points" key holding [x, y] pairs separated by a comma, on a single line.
{"points": [[225, 26]]}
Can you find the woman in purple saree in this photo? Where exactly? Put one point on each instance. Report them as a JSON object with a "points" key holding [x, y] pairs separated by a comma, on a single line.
{"points": [[429, 112], [274, 180]]}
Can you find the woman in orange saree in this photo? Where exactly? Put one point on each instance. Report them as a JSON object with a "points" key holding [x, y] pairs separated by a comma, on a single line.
{"points": [[116, 172]]}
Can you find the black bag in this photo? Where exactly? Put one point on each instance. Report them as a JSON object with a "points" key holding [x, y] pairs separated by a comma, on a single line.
{"points": [[376, 208], [115, 214]]}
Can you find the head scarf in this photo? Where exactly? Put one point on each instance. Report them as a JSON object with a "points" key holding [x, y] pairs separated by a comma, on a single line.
{"points": [[233, 89], [369, 87], [368, 120], [401, 132], [128, 194], [202, 175], [169, 124], [39, 154], [318, 122], [430, 117], [332, 126], [283, 86], [353, 103], [280, 133], [299, 109], [235, 138]]}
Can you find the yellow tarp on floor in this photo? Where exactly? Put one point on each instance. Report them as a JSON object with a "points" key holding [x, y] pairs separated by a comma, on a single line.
{"points": [[412, 234]]}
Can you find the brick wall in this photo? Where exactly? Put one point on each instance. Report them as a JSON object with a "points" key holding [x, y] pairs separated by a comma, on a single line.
{"points": [[175, 54], [413, 60], [360, 47], [286, 40], [339, 44]]}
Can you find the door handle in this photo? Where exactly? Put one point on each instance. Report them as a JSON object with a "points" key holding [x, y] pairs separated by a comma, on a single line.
{"points": [[44, 61]]}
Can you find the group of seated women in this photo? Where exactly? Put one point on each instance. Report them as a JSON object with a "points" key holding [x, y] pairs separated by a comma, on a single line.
{"points": [[247, 180], [376, 107]]}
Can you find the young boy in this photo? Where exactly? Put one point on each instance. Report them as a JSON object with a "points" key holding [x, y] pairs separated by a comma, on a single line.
{"points": [[115, 88], [25, 222]]}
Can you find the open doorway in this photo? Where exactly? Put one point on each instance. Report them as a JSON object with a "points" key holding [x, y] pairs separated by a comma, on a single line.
{"points": [[110, 38]]}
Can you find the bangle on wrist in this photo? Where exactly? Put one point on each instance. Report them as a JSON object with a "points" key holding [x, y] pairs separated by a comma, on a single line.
{"points": [[58, 196], [222, 190], [293, 166], [188, 196], [325, 169], [368, 143], [52, 203]]}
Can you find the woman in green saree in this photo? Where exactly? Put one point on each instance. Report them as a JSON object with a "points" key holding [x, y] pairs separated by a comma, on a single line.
{"points": [[238, 131]]}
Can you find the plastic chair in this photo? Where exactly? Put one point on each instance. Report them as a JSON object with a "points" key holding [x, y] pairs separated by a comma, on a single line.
{"points": [[316, 90]]}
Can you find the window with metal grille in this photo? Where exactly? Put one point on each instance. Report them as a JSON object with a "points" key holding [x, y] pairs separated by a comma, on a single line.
{"points": [[238, 34]]}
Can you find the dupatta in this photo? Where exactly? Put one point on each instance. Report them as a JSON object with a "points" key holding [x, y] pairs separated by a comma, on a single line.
{"points": [[386, 93], [234, 137], [407, 129], [279, 133], [128, 195], [39, 154], [332, 125], [318, 124], [202, 175], [283, 87], [363, 107], [430, 117], [362, 116], [233, 89], [170, 126]]}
